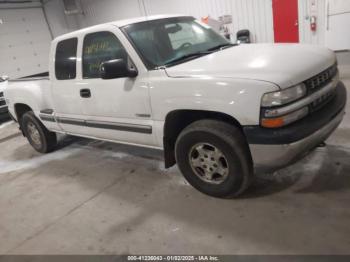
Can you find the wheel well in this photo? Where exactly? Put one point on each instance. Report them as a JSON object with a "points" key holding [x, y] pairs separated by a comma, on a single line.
{"points": [[177, 120], [20, 110]]}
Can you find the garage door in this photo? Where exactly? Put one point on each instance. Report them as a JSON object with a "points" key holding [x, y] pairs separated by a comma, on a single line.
{"points": [[25, 42]]}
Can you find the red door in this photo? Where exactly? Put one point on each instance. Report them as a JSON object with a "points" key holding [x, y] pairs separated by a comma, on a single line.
{"points": [[285, 21]]}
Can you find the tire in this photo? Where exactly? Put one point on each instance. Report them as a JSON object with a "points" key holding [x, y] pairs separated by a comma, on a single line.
{"points": [[43, 140], [229, 150]]}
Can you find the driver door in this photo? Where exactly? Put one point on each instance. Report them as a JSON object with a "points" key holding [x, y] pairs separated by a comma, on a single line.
{"points": [[115, 109]]}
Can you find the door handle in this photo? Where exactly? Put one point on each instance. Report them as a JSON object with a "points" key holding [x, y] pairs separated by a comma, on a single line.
{"points": [[85, 93]]}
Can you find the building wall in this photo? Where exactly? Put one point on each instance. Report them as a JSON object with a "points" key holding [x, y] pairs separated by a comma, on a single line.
{"points": [[255, 15], [25, 41], [96, 12], [337, 24], [59, 22], [305, 12], [25, 37]]}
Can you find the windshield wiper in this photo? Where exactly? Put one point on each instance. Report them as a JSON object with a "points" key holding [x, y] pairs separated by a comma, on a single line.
{"points": [[184, 57], [198, 54], [222, 46]]}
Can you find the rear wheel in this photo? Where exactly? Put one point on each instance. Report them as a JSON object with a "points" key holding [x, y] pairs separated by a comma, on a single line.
{"points": [[41, 139], [214, 158]]}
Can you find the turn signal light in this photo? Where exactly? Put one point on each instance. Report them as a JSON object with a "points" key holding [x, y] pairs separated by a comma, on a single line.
{"points": [[272, 122], [276, 122]]}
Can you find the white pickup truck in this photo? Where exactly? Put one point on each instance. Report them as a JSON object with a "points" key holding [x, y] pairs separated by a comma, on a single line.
{"points": [[221, 112]]}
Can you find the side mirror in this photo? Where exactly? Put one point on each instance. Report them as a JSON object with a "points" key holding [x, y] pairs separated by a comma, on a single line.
{"points": [[117, 68]]}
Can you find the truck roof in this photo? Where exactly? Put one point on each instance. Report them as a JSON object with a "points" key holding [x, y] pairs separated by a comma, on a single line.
{"points": [[119, 23]]}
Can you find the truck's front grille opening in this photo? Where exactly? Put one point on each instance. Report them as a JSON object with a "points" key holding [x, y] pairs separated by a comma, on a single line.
{"points": [[322, 79], [2, 103], [1, 94], [321, 101]]}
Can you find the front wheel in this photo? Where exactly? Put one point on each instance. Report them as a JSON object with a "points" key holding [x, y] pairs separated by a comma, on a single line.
{"points": [[41, 139], [214, 158]]}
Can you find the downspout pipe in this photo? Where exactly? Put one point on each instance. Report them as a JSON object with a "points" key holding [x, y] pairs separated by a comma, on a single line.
{"points": [[46, 19]]}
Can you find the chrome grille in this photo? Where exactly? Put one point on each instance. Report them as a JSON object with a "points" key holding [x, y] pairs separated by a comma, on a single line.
{"points": [[2, 103], [320, 80], [321, 101]]}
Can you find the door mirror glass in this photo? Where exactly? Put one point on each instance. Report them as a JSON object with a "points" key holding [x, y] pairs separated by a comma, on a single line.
{"points": [[116, 68]]}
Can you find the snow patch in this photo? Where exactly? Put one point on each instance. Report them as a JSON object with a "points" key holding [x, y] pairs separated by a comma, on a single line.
{"points": [[116, 154], [162, 168], [6, 124], [16, 165]]}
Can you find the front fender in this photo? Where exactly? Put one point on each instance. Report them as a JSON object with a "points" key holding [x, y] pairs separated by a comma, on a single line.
{"points": [[239, 98]]}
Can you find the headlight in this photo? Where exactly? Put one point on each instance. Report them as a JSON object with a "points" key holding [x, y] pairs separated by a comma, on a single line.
{"points": [[275, 109], [284, 120], [284, 96]]}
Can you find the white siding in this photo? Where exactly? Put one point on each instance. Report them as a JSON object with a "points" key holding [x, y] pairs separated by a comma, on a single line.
{"points": [[255, 15], [25, 42], [96, 12], [305, 11], [338, 6], [337, 24], [58, 21]]}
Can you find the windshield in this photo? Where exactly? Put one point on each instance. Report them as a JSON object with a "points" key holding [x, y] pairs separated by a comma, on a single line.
{"points": [[170, 41]]}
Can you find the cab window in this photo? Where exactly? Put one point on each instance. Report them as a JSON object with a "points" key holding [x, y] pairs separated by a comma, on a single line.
{"points": [[66, 59], [98, 48]]}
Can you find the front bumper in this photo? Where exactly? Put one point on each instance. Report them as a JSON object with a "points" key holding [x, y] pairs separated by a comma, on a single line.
{"points": [[274, 149]]}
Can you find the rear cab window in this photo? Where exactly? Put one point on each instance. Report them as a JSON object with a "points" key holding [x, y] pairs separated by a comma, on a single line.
{"points": [[66, 59]]}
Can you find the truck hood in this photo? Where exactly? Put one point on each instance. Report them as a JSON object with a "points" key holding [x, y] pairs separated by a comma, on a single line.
{"points": [[281, 64]]}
